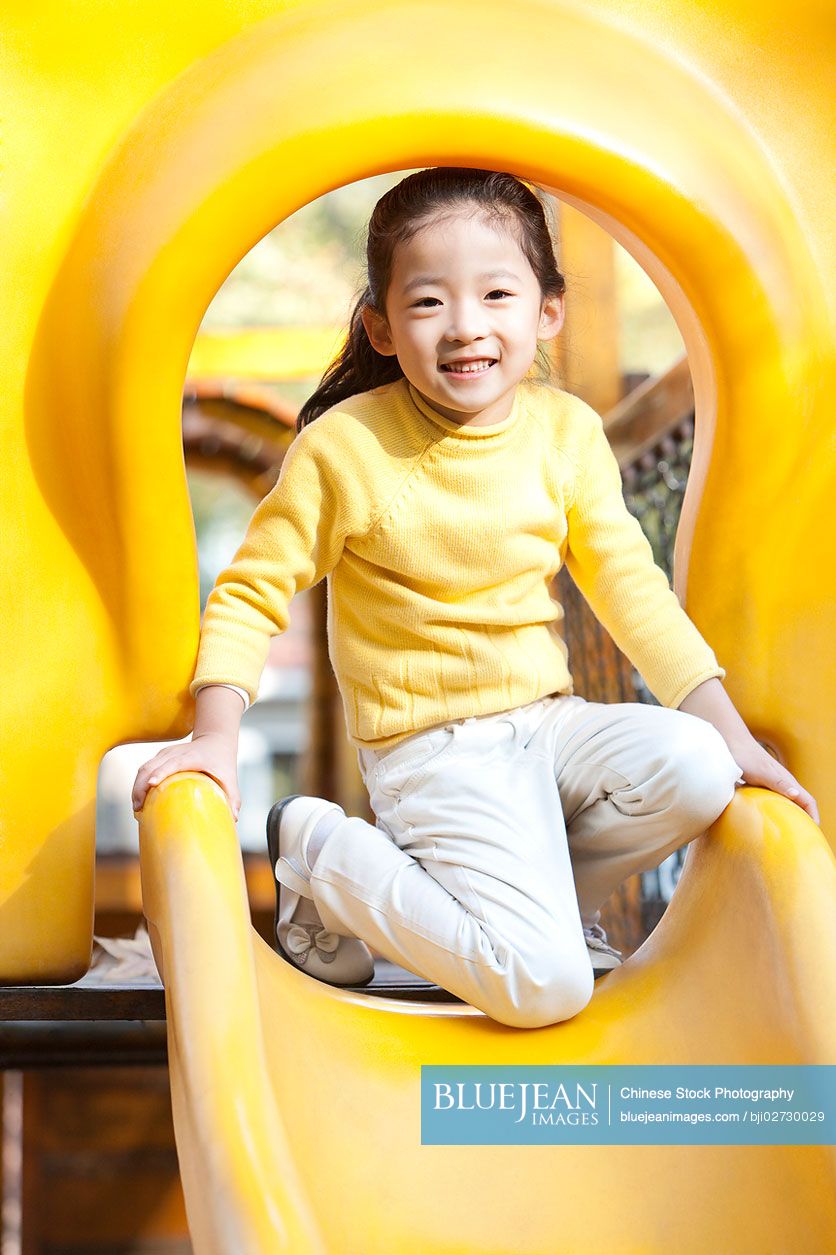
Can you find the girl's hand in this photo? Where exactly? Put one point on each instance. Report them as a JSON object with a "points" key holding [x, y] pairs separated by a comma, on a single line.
{"points": [[759, 767], [710, 701], [212, 753]]}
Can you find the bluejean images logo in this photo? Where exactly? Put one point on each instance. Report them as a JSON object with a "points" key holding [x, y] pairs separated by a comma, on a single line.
{"points": [[629, 1104], [542, 1102]]}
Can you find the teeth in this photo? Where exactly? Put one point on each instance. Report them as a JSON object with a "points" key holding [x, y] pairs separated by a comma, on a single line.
{"points": [[467, 368]]}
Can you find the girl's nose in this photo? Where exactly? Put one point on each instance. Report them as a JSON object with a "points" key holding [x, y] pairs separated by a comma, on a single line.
{"points": [[467, 322]]}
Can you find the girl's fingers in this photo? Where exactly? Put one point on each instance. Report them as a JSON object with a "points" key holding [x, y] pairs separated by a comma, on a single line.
{"points": [[770, 774], [807, 803], [152, 766], [789, 787], [153, 773]]}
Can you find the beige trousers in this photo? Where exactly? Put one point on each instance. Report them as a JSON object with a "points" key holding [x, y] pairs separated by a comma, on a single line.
{"points": [[499, 837]]}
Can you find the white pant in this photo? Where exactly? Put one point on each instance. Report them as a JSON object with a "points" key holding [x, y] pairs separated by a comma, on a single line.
{"points": [[497, 836]]}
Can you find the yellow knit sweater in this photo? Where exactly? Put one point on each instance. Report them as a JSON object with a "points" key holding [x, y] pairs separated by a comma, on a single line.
{"points": [[439, 543]]}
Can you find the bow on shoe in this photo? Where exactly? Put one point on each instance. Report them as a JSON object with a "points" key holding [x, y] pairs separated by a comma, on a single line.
{"points": [[595, 933], [302, 938]]}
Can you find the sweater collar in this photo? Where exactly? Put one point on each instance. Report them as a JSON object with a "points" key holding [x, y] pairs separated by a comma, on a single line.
{"points": [[465, 432]]}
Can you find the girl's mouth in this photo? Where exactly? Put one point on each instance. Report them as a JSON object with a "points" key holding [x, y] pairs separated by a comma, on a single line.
{"points": [[479, 366]]}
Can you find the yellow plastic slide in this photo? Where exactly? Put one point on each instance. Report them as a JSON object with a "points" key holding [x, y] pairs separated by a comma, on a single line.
{"points": [[140, 163], [297, 1105]]}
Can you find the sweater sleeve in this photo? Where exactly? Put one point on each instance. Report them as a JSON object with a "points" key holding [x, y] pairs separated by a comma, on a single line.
{"points": [[294, 539], [611, 561]]}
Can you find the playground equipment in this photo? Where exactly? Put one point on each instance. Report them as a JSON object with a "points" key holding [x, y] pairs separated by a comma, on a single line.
{"points": [[134, 184]]}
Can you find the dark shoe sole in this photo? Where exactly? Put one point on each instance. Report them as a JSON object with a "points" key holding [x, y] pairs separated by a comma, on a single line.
{"points": [[600, 970], [274, 820]]}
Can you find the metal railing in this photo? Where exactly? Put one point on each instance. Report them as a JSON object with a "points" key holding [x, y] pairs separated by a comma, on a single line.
{"points": [[654, 488]]}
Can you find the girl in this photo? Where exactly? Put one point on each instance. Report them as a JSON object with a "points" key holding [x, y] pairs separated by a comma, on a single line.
{"points": [[439, 488]]}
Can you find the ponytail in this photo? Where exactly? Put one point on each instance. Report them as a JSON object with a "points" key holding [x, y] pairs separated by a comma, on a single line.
{"points": [[357, 368]]}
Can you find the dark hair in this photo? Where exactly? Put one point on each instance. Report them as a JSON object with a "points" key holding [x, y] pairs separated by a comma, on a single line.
{"points": [[397, 216]]}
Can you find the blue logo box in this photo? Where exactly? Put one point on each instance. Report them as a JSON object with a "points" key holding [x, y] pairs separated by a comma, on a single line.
{"points": [[629, 1104]]}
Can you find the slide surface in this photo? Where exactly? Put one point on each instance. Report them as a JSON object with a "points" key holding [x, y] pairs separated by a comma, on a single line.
{"points": [[297, 1104]]}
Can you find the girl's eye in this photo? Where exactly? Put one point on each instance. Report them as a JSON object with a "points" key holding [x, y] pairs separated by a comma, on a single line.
{"points": [[426, 302]]}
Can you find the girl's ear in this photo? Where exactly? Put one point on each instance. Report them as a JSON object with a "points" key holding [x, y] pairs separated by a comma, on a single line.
{"points": [[377, 329], [551, 318]]}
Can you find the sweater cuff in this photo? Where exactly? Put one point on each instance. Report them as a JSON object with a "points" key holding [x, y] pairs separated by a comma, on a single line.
{"points": [[242, 693]]}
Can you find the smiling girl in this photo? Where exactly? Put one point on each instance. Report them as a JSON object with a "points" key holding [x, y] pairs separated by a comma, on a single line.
{"points": [[439, 488]]}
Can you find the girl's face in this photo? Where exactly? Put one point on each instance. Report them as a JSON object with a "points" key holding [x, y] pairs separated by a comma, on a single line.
{"points": [[463, 292]]}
